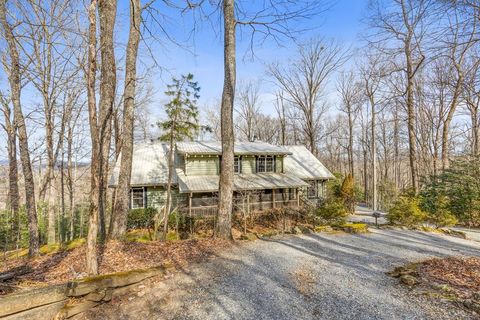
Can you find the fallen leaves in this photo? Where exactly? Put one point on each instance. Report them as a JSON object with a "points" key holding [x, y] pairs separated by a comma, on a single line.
{"points": [[63, 266], [462, 274]]}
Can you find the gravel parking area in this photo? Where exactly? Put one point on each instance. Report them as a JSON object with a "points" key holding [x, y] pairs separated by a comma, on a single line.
{"points": [[317, 276]]}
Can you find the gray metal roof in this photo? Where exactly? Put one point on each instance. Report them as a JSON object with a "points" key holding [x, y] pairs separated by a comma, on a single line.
{"points": [[240, 148], [149, 165], [255, 181], [303, 164]]}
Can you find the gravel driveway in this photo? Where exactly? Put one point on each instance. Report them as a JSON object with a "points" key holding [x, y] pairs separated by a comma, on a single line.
{"points": [[315, 276]]}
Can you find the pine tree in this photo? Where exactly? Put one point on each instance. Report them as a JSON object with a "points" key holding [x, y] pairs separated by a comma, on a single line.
{"points": [[182, 123]]}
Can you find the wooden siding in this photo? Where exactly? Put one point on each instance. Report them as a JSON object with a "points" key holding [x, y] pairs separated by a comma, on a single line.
{"points": [[201, 166], [279, 164], [210, 165], [156, 197], [248, 164]]}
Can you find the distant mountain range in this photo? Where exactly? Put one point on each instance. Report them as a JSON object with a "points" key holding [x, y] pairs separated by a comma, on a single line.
{"points": [[4, 162]]}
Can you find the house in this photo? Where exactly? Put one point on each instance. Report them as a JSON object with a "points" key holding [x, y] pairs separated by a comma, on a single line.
{"points": [[266, 176]]}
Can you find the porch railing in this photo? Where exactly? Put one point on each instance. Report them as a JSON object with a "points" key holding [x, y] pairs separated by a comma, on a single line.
{"points": [[211, 210]]}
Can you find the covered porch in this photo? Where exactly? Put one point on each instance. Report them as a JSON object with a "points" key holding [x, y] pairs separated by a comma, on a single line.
{"points": [[252, 192]]}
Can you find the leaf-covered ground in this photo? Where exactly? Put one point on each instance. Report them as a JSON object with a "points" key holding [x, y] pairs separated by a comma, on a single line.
{"points": [[64, 265], [462, 274]]}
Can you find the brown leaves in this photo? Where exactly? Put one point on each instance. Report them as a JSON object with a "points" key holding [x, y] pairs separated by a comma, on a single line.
{"points": [[460, 273], [114, 257]]}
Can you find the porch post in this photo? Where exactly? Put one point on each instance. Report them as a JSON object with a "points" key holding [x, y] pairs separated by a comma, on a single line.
{"points": [[190, 211], [248, 203], [298, 197], [273, 198], [190, 204]]}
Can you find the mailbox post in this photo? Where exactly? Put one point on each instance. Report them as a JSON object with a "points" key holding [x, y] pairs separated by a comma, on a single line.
{"points": [[376, 215]]}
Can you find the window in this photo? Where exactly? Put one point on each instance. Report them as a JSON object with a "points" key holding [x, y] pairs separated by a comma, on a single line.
{"points": [[312, 189], [269, 166], [293, 193], [137, 198], [237, 164], [265, 164]]}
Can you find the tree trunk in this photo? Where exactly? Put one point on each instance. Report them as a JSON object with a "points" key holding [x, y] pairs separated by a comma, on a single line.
{"points": [[62, 235], [118, 224], [107, 10], [224, 219], [168, 202], [70, 183], [411, 119], [396, 143], [91, 252], [374, 156], [475, 132], [13, 191], [106, 141], [15, 87], [448, 120], [350, 142]]}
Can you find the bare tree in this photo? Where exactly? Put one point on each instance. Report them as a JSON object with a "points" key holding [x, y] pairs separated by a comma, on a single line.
{"points": [[282, 111], [349, 91], [118, 222], [49, 69], [100, 125], [471, 97], [13, 191], [225, 196], [399, 28], [248, 109], [91, 252], [304, 82], [462, 37], [15, 92]]}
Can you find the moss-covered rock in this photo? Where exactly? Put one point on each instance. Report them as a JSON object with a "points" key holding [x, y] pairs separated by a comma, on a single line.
{"points": [[305, 230], [296, 230], [454, 233], [403, 270], [248, 236], [408, 280], [323, 229], [354, 227]]}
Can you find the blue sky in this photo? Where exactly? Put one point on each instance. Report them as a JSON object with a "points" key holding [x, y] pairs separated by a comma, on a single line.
{"points": [[342, 22], [204, 58]]}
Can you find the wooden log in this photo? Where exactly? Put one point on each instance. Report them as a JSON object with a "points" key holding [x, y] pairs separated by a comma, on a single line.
{"points": [[15, 272], [17, 302], [85, 286]]}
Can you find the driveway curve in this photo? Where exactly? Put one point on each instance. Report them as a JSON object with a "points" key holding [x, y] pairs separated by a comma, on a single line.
{"points": [[316, 276]]}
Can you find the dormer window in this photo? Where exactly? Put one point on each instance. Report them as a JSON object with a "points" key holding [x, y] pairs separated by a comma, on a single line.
{"points": [[265, 164], [237, 165]]}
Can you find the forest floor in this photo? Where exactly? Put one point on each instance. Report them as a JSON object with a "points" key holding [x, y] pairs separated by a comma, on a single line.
{"points": [[58, 265], [456, 275], [311, 276]]}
